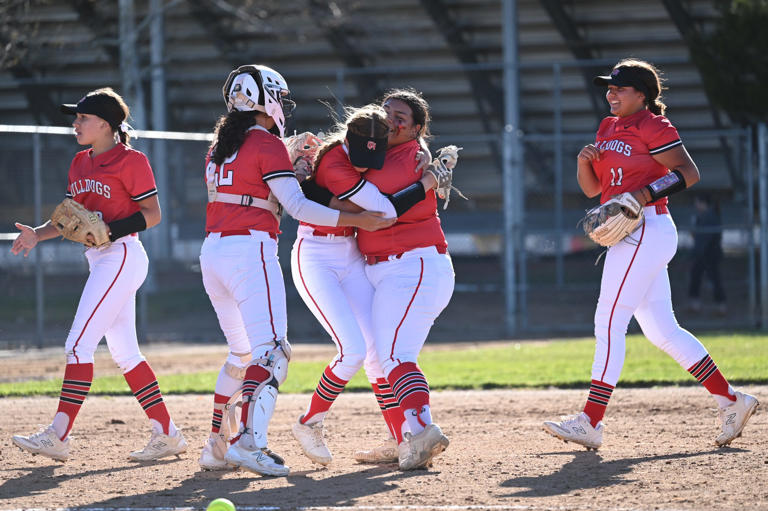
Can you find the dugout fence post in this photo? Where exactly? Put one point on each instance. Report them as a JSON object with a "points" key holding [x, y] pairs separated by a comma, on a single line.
{"points": [[558, 164], [748, 135], [762, 172], [512, 163], [38, 206]]}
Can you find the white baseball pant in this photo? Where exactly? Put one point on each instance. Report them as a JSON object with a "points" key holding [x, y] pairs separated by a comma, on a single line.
{"points": [[635, 282], [107, 306], [410, 292]]}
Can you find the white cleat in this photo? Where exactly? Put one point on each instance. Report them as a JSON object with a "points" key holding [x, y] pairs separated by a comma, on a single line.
{"points": [[577, 429], [735, 416], [417, 451], [161, 445], [45, 442], [312, 441], [385, 453], [212, 457], [259, 461]]}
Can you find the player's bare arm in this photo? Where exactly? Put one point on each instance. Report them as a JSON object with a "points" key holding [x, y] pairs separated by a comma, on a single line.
{"points": [[29, 237], [585, 174], [150, 208]]}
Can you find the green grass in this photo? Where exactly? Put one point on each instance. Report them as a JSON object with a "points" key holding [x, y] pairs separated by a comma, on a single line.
{"points": [[743, 358]]}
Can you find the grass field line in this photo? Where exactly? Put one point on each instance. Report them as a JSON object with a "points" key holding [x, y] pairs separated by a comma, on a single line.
{"points": [[345, 508]]}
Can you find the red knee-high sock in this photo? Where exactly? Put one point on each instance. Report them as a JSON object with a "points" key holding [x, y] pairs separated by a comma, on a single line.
{"points": [[328, 389], [707, 373], [599, 394], [393, 414], [143, 383], [219, 403], [74, 389], [254, 375], [409, 386]]}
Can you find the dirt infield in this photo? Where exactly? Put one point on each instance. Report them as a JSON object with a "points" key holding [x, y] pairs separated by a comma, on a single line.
{"points": [[658, 454]]}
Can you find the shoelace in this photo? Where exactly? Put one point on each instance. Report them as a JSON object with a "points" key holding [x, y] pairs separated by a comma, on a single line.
{"points": [[317, 436]]}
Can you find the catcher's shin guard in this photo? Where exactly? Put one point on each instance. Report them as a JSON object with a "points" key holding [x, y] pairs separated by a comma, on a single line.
{"points": [[262, 401]]}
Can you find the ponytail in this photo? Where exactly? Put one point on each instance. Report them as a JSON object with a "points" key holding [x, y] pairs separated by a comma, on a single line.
{"points": [[657, 107], [229, 134], [123, 135]]}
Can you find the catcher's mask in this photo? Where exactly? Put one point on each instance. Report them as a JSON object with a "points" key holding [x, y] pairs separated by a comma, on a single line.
{"points": [[259, 88]]}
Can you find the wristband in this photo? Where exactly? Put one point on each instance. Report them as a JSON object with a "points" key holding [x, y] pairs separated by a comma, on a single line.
{"points": [[666, 185], [316, 193], [128, 225], [406, 198]]}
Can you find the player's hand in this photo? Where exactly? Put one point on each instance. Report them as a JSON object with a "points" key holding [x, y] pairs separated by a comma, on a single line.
{"points": [[589, 152], [26, 240], [373, 220], [423, 159], [428, 181]]}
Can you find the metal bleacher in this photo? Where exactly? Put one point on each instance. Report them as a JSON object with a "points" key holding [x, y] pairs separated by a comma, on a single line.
{"points": [[70, 47]]}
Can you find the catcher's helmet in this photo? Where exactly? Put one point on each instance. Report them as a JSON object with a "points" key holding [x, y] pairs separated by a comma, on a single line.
{"points": [[259, 88]]}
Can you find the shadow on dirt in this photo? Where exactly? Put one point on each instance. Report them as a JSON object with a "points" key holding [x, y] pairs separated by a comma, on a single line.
{"points": [[587, 470], [242, 489]]}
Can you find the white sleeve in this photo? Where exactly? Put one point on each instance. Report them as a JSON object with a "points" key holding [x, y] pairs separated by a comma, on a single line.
{"points": [[371, 199], [288, 192]]}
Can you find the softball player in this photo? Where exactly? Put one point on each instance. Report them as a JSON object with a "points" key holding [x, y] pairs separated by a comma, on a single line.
{"points": [[327, 267], [117, 183], [638, 151], [412, 275], [249, 176]]}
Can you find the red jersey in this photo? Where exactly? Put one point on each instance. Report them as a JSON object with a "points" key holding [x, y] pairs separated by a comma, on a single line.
{"points": [[337, 174], [417, 227], [628, 145], [262, 157], [112, 182]]}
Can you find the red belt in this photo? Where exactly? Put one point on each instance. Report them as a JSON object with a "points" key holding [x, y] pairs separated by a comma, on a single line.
{"points": [[661, 209], [346, 232], [373, 259], [239, 232]]}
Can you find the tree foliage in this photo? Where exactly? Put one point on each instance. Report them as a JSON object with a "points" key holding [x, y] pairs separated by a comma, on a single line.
{"points": [[733, 59]]}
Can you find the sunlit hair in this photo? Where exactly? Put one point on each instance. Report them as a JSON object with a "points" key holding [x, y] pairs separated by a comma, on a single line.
{"points": [[652, 79], [108, 91], [418, 105], [358, 121], [229, 134]]}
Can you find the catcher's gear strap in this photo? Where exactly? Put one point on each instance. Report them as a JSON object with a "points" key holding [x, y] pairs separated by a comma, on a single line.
{"points": [[264, 396], [128, 225], [406, 198], [316, 193], [236, 372], [247, 200], [666, 185]]}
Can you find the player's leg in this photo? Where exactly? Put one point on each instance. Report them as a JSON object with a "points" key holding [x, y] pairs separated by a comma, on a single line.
{"points": [[657, 320], [257, 286], [166, 439], [325, 277], [104, 293], [410, 294], [629, 269], [232, 372]]}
